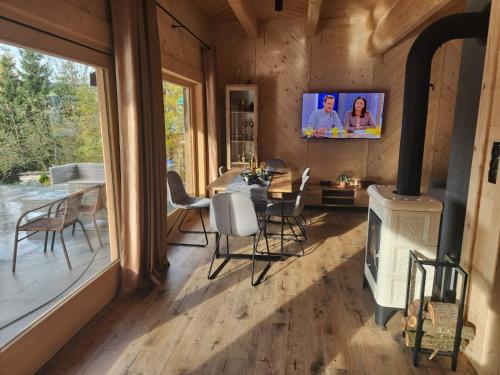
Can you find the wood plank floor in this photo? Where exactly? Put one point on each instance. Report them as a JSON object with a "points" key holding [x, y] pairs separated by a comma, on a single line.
{"points": [[309, 316]]}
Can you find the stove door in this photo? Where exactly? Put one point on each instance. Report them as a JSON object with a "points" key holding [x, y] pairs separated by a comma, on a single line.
{"points": [[373, 245]]}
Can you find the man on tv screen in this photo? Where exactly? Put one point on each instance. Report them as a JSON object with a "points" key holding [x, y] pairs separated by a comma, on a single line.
{"points": [[324, 118]]}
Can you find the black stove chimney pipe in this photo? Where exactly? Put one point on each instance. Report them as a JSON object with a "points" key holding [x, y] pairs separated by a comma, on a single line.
{"points": [[416, 94]]}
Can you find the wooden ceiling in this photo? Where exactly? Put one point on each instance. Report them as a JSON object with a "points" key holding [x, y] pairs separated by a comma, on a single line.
{"points": [[221, 11]]}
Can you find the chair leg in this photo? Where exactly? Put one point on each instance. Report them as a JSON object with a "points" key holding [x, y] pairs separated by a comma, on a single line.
{"points": [[97, 230], [295, 235], [304, 220], [185, 231], [53, 238], [193, 231], [264, 271], [282, 225], [14, 256], [175, 221], [221, 266], [302, 229], [64, 249], [266, 223], [45, 242], [86, 235], [182, 222]]}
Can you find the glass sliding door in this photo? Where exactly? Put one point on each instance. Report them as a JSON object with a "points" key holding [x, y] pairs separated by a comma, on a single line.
{"points": [[176, 99], [54, 233]]}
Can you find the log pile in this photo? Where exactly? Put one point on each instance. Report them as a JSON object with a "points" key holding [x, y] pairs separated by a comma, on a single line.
{"points": [[439, 321]]}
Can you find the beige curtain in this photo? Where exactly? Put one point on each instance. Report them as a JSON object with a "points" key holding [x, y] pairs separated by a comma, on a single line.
{"points": [[142, 142], [212, 115]]}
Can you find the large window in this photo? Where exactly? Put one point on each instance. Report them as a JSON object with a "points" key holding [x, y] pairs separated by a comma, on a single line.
{"points": [[53, 215], [176, 100]]}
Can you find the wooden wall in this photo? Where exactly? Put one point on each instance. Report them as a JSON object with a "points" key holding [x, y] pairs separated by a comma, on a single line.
{"points": [[389, 77], [284, 63], [181, 52], [481, 244], [182, 63], [83, 21]]}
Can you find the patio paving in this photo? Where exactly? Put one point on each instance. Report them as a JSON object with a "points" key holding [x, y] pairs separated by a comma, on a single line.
{"points": [[41, 277]]}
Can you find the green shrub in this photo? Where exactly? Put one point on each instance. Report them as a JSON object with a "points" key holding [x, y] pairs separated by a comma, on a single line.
{"points": [[44, 178]]}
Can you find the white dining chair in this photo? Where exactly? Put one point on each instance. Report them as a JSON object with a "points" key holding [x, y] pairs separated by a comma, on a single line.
{"points": [[233, 214]]}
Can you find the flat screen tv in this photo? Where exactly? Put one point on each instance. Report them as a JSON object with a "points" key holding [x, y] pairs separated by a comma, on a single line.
{"points": [[341, 115]]}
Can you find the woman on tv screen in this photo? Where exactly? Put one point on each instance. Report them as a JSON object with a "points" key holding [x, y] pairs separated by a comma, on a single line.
{"points": [[359, 118]]}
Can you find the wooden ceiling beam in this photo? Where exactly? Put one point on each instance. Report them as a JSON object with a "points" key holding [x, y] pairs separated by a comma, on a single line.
{"points": [[404, 17], [246, 16], [313, 13]]}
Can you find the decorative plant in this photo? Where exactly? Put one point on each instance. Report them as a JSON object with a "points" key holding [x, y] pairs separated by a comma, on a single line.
{"points": [[343, 178]]}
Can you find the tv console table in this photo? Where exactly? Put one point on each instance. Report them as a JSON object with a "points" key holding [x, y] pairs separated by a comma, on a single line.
{"points": [[336, 196]]}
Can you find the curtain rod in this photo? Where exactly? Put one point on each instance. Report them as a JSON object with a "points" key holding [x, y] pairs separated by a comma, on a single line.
{"points": [[55, 35], [180, 24]]}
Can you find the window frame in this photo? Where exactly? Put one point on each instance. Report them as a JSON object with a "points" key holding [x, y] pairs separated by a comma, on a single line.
{"points": [[190, 147], [197, 128], [54, 328]]}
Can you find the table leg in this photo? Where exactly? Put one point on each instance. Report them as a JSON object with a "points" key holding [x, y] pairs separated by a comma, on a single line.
{"points": [[282, 221]]}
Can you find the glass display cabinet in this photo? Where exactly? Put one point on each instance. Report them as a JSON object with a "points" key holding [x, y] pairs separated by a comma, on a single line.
{"points": [[241, 124]]}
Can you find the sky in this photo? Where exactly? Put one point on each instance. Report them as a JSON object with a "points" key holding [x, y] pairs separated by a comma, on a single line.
{"points": [[14, 51]]}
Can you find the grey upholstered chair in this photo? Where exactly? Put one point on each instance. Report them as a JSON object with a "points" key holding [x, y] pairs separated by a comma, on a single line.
{"points": [[293, 210], [222, 170], [306, 173], [234, 214], [185, 203], [275, 163]]}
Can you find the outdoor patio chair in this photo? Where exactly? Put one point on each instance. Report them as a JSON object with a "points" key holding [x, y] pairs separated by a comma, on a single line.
{"points": [[68, 209], [93, 209], [180, 199]]}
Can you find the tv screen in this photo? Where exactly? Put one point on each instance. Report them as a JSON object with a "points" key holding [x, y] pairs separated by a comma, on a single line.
{"points": [[340, 115]]}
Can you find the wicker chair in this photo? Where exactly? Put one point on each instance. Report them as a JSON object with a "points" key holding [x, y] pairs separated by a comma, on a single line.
{"points": [[69, 209], [93, 209]]}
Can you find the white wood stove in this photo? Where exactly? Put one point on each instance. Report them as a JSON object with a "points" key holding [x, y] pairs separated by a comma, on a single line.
{"points": [[396, 225]]}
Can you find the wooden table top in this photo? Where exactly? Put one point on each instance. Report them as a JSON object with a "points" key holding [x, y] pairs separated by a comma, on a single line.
{"points": [[280, 183]]}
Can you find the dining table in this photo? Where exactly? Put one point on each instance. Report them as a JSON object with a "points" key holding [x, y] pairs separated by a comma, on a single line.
{"points": [[283, 181]]}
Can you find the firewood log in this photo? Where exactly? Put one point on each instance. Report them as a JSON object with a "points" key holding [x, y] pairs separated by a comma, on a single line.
{"points": [[415, 305], [443, 314], [432, 330], [442, 343], [446, 330], [408, 322]]}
